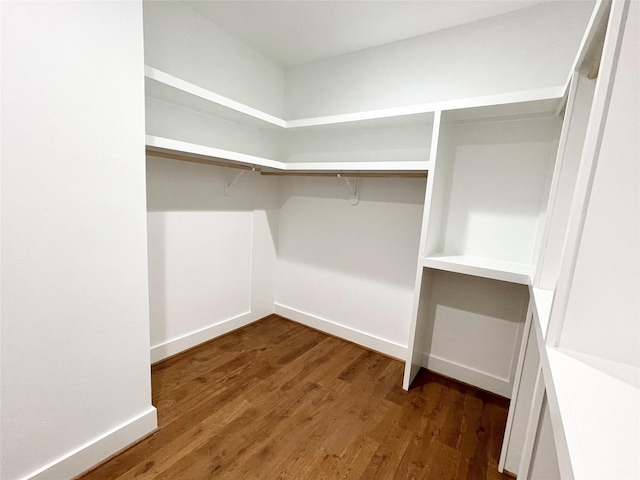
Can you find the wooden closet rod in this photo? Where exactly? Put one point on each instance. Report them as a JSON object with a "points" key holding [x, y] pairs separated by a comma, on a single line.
{"points": [[243, 166], [350, 174], [192, 159]]}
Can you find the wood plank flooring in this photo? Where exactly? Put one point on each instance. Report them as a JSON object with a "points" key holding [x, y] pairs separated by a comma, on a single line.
{"points": [[277, 400]]}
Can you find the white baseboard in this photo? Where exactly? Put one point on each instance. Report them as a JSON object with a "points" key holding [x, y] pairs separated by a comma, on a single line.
{"points": [[98, 449], [191, 339], [361, 338], [463, 373]]}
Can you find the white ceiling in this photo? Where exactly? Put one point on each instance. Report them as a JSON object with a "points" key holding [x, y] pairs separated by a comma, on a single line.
{"points": [[301, 31]]}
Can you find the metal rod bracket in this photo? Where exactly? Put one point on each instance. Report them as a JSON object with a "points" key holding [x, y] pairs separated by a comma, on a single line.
{"points": [[354, 194], [228, 184]]}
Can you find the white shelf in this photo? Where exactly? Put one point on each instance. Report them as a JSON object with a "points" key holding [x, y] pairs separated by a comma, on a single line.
{"points": [[203, 152], [417, 167], [165, 87], [530, 103], [598, 414], [357, 156], [481, 267], [516, 103]]}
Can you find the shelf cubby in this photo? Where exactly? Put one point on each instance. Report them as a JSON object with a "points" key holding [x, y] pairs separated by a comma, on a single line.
{"points": [[493, 175]]}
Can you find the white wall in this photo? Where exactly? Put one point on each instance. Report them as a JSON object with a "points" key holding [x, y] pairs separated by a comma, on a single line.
{"points": [[75, 318], [499, 183], [177, 123], [474, 329], [211, 257], [350, 270], [185, 44], [602, 311], [526, 49]]}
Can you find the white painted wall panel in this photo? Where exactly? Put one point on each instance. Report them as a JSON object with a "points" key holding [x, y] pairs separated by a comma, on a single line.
{"points": [[176, 123], [498, 184], [186, 45], [211, 257], [476, 324], [531, 365], [351, 265], [199, 270], [604, 304], [75, 318], [526, 49], [409, 142]]}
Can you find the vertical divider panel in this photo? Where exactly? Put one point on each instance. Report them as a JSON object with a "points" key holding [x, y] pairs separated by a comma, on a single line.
{"points": [[415, 346], [532, 425], [437, 202], [586, 173], [523, 385], [564, 179]]}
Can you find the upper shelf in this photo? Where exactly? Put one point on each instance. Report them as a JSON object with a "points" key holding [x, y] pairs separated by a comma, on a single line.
{"points": [[166, 87], [171, 89]]}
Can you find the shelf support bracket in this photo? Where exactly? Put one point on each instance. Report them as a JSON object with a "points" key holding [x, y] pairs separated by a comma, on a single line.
{"points": [[353, 190], [229, 183]]}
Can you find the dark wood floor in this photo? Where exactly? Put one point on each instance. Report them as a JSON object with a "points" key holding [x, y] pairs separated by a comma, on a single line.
{"points": [[278, 400]]}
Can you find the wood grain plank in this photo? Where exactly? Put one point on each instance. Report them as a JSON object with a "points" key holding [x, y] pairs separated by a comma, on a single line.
{"points": [[277, 400]]}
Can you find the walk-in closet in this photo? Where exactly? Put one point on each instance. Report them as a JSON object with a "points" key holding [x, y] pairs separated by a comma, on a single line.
{"points": [[429, 205]]}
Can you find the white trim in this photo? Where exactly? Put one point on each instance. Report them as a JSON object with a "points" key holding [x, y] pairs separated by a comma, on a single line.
{"points": [[412, 361], [89, 454], [516, 386], [532, 426], [367, 340], [191, 339], [481, 267], [484, 380]]}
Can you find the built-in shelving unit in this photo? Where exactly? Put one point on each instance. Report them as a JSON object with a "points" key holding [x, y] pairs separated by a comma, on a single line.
{"points": [[484, 218], [580, 355], [186, 120]]}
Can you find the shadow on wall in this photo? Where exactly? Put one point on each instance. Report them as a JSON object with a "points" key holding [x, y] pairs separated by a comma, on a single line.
{"points": [[500, 174], [201, 244], [176, 186], [377, 239]]}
